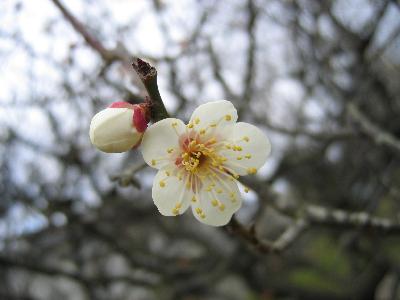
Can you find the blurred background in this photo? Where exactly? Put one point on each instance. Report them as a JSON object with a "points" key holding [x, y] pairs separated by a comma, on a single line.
{"points": [[321, 78]]}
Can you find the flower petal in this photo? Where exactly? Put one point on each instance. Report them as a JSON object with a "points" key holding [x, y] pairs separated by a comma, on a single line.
{"points": [[161, 142], [249, 149], [170, 195], [218, 199], [216, 114]]}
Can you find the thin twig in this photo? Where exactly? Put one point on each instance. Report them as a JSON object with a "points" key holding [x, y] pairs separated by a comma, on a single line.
{"points": [[148, 75], [126, 177], [251, 51], [216, 67], [316, 216], [385, 45], [380, 136], [265, 246], [337, 218], [89, 38]]}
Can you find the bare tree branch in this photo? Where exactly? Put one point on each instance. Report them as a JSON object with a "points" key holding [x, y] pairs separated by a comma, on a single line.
{"points": [[92, 41], [315, 216], [148, 76], [251, 51], [336, 218], [377, 134], [264, 246]]}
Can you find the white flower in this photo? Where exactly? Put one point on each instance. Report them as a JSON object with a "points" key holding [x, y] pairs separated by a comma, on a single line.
{"points": [[199, 163], [119, 127]]}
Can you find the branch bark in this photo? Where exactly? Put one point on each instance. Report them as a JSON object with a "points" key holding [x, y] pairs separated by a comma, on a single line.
{"points": [[316, 216], [265, 246], [378, 135], [92, 41], [148, 75]]}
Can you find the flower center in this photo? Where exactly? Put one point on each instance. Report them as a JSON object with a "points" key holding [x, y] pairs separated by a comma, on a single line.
{"points": [[191, 161], [198, 156], [194, 154]]}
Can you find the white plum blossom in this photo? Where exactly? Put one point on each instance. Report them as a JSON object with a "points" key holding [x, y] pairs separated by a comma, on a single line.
{"points": [[119, 127], [199, 163]]}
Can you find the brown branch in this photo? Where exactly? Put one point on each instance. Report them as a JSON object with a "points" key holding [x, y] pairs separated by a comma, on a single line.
{"points": [[341, 219], [316, 216], [148, 76], [265, 246], [176, 87], [93, 42], [341, 134], [385, 45], [378, 135], [251, 51], [126, 177], [216, 67]]}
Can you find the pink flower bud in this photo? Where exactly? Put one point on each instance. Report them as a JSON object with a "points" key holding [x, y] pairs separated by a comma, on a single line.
{"points": [[119, 127]]}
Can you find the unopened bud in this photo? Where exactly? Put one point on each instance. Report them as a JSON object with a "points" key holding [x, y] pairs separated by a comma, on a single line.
{"points": [[119, 127]]}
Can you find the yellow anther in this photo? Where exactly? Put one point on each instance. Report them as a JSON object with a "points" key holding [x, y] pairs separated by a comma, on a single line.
{"points": [[219, 191], [175, 211], [214, 202], [236, 176], [180, 177], [239, 158], [246, 138], [194, 199], [197, 120], [232, 195], [162, 183], [167, 173], [248, 156], [203, 215], [213, 125], [192, 143], [174, 124], [178, 205], [221, 207], [170, 150], [209, 188], [199, 210], [228, 117], [184, 155], [190, 125], [246, 189], [227, 147], [251, 171], [202, 131], [153, 162], [212, 141]]}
